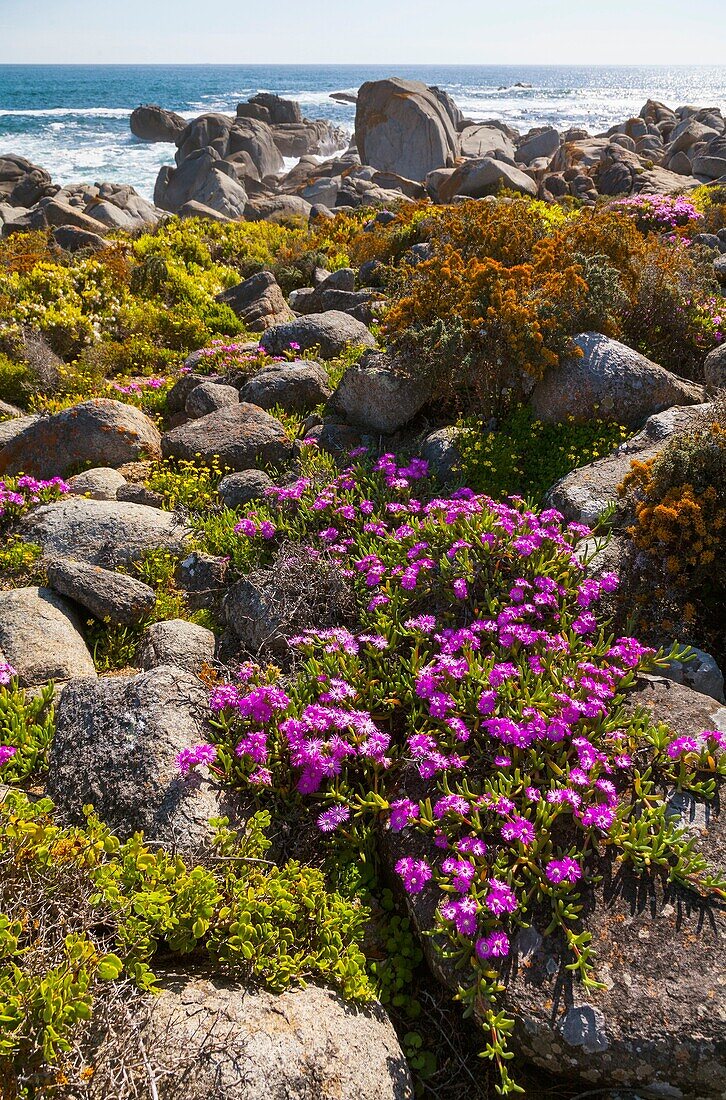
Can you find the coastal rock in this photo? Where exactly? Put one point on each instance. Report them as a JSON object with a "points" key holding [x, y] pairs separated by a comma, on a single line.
{"points": [[542, 142], [241, 436], [152, 123], [332, 332], [485, 176], [40, 637], [23, 183], [487, 138], [256, 140], [103, 532], [179, 643], [611, 381], [307, 138], [258, 302], [402, 126], [116, 746], [281, 111], [205, 178], [231, 1041], [277, 208], [295, 387], [99, 432], [72, 239], [374, 396], [111, 596], [584, 494]]}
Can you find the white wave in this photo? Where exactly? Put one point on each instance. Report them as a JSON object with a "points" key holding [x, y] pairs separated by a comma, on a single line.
{"points": [[67, 112]]}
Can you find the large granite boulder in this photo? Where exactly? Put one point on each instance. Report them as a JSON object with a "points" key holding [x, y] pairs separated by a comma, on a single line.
{"points": [[585, 493], [331, 332], [202, 177], [108, 533], [40, 636], [256, 140], [374, 396], [402, 126], [610, 381], [223, 1040], [99, 432], [258, 302], [116, 746], [241, 436], [485, 176], [149, 122]]}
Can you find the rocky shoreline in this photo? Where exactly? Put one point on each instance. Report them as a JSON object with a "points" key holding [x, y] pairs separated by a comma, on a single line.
{"points": [[444, 764], [410, 141]]}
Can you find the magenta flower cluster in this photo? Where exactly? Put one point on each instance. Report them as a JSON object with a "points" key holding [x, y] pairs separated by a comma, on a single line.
{"points": [[659, 212], [483, 672], [20, 493]]}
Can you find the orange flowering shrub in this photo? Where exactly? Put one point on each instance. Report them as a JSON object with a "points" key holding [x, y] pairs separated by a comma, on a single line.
{"points": [[490, 308], [678, 507]]}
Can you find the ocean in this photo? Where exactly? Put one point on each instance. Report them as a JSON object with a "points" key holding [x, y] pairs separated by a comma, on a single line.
{"points": [[74, 119]]}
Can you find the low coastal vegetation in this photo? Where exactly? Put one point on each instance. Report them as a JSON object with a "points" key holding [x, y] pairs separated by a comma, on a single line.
{"points": [[421, 720]]}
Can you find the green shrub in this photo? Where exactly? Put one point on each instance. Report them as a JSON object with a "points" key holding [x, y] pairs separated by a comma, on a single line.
{"points": [[79, 908]]}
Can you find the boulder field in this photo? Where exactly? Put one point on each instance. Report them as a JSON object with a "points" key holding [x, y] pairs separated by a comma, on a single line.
{"points": [[409, 140]]}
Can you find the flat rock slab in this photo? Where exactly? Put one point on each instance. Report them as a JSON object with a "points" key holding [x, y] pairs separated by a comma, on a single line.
{"points": [[103, 532], [241, 436], [40, 637], [97, 433], [116, 745], [584, 493]]}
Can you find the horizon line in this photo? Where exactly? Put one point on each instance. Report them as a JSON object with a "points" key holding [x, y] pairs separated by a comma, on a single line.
{"points": [[368, 64]]}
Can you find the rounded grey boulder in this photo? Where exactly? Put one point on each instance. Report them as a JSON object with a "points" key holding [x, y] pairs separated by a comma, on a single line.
{"points": [[40, 637], [375, 396], [243, 487], [110, 596], [116, 746], [100, 483], [240, 436], [207, 397], [179, 643], [103, 532], [295, 387], [332, 332], [610, 381]]}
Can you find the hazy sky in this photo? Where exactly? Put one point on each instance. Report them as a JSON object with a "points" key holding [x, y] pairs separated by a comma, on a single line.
{"points": [[360, 31]]}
